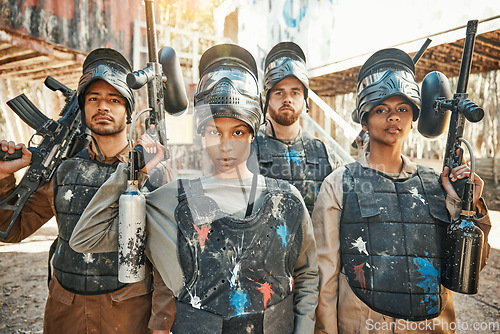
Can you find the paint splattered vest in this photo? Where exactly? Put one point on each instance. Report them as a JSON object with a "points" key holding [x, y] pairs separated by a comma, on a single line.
{"points": [[238, 273], [391, 237], [75, 183], [304, 163]]}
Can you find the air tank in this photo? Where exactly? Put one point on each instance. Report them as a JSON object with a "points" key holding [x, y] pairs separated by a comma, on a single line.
{"points": [[132, 235]]}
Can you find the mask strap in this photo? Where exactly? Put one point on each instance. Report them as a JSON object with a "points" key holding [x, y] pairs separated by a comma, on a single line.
{"points": [[251, 198], [99, 153], [272, 128]]}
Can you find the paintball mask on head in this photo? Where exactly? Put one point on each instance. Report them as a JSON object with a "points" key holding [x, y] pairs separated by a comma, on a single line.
{"points": [[286, 59], [387, 73], [228, 87], [108, 65]]}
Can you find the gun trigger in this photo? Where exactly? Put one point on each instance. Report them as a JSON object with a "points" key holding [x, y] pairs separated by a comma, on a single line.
{"points": [[460, 156]]}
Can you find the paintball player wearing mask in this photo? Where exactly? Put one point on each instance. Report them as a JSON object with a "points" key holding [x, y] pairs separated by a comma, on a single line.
{"points": [[283, 150], [380, 222], [84, 292], [236, 248]]}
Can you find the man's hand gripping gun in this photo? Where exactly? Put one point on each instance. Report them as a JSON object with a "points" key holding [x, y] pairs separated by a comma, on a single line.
{"points": [[60, 139]]}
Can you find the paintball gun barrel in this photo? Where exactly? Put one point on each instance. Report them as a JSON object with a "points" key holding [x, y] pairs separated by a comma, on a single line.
{"points": [[464, 239], [166, 92], [163, 76]]}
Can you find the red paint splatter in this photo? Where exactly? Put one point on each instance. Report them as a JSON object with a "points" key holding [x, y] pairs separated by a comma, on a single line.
{"points": [[360, 276], [265, 289], [202, 234]]}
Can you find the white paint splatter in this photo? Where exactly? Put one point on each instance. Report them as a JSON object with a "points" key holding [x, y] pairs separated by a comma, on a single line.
{"points": [[276, 208], [89, 172], [290, 282], [234, 274], [88, 258], [415, 194], [68, 195], [196, 302], [360, 245]]}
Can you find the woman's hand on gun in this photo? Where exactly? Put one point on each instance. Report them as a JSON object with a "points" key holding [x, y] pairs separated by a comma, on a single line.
{"points": [[461, 172]]}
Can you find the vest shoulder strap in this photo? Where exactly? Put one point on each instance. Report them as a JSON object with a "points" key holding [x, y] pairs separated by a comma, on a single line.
{"points": [[277, 185], [188, 188], [264, 152], [433, 190], [364, 191], [312, 147], [84, 154]]}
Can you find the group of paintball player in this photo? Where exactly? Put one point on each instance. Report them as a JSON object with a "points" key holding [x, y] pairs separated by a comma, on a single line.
{"points": [[280, 237]]}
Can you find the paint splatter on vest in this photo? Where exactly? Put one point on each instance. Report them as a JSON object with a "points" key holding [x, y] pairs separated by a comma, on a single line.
{"points": [[391, 235], [237, 268], [75, 183]]}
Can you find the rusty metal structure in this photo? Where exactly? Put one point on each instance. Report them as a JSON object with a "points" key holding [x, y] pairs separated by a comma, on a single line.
{"points": [[52, 37], [443, 55]]}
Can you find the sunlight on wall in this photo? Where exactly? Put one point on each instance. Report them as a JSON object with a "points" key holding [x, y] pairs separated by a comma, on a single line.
{"points": [[333, 30]]}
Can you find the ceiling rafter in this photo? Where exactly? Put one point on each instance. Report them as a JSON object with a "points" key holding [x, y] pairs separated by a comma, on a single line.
{"points": [[445, 58]]}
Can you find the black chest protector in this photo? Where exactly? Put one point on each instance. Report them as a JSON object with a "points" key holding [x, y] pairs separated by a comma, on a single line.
{"points": [[304, 163], [391, 237], [75, 183], [238, 273]]}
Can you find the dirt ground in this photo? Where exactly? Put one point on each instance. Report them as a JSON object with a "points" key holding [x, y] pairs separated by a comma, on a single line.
{"points": [[23, 282]]}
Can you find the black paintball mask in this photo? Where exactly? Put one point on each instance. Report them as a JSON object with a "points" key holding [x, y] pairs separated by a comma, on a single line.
{"points": [[228, 87], [285, 59], [108, 65], [387, 73]]}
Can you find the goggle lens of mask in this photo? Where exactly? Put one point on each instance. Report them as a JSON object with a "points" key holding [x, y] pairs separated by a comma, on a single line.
{"points": [[241, 79], [282, 60], [377, 74]]}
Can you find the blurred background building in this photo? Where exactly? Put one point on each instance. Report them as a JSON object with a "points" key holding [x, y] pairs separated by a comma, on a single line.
{"points": [[51, 37]]}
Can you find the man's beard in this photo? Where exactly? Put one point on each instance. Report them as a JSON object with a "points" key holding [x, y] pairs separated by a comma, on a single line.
{"points": [[106, 130], [282, 118]]}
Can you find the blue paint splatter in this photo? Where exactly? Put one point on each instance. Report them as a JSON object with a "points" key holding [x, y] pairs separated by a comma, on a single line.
{"points": [[430, 284], [287, 14], [239, 300], [293, 156], [281, 230], [316, 192], [466, 223]]}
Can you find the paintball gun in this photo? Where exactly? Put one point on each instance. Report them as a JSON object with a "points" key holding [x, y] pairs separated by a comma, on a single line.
{"points": [[163, 75], [61, 139], [166, 92], [464, 239]]}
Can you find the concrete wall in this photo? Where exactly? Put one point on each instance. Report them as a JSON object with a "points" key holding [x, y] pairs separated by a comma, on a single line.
{"points": [[81, 25], [334, 30]]}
